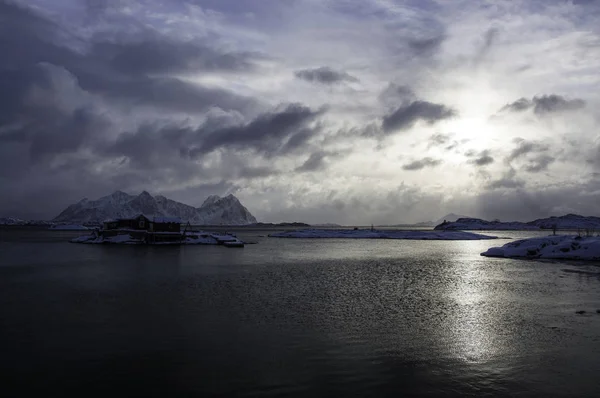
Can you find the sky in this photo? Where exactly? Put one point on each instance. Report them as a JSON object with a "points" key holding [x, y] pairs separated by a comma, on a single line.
{"points": [[342, 111]]}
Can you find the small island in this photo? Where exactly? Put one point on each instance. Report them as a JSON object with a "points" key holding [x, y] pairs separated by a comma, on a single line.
{"points": [[564, 247], [142, 230]]}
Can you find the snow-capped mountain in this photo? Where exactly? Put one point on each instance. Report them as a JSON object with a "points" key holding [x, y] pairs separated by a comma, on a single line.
{"points": [[214, 211]]}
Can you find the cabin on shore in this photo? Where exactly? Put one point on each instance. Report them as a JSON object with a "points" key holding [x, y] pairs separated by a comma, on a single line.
{"points": [[151, 229], [138, 223], [165, 224], [143, 223]]}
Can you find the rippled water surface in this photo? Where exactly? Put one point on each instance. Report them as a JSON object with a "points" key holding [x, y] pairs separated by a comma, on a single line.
{"points": [[290, 317]]}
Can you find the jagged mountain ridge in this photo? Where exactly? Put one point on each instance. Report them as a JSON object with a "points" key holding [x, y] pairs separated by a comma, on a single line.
{"points": [[214, 211]]}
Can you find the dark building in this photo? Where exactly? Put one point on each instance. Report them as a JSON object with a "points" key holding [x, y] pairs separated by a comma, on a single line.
{"points": [[143, 223], [165, 224], [149, 229], [139, 223]]}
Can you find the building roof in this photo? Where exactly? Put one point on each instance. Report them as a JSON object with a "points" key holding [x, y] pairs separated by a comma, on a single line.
{"points": [[127, 218], [174, 220], [156, 219]]}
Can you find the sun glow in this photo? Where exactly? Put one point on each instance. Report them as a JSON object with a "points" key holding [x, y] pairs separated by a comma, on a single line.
{"points": [[475, 132]]}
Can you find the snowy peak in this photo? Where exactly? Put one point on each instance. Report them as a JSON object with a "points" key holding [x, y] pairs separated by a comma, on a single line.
{"points": [[214, 210], [210, 200], [118, 196]]}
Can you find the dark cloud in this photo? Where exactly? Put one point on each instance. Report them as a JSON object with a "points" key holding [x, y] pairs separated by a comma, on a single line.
{"points": [[27, 38], [520, 105], [489, 38], [318, 160], [531, 155], [257, 172], [427, 46], [28, 99], [150, 146], [555, 103], [62, 101], [529, 204], [439, 139], [482, 158], [407, 115], [281, 131], [544, 104], [324, 75], [526, 147], [315, 162], [421, 164], [509, 180], [395, 94], [130, 70], [168, 93], [540, 163], [158, 54], [135, 47]]}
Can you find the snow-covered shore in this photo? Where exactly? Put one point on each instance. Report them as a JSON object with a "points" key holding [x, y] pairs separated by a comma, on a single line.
{"points": [[191, 238], [550, 247], [68, 227], [381, 234]]}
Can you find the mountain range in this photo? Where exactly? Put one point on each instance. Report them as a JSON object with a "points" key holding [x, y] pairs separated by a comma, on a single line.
{"points": [[214, 211], [568, 221]]}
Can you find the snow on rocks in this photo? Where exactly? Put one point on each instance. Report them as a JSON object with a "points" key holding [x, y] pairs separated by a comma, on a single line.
{"points": [[550, 247], [124, 239], [68, 227], [381, 234], [12, 221], [190, 238]]}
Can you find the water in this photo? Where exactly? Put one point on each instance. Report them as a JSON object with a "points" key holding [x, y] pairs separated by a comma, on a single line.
{"points": [[293, 318]]}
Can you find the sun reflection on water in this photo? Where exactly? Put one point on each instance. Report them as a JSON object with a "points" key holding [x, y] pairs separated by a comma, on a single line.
{"points": [[473, 328]]}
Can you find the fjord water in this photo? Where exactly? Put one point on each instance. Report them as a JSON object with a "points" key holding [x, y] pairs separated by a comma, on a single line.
{"points": [[293, 317]]}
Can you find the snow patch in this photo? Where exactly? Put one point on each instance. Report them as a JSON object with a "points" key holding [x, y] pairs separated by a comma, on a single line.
{"points": [[190, 238], [381, 234], [68, 227]]}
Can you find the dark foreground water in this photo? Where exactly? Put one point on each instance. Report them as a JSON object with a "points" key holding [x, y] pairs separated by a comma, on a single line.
{"points": [[303, 318]]}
